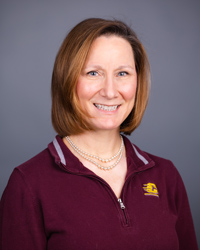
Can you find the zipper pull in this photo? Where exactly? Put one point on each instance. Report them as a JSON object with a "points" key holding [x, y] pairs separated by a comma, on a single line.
{"points": [[121, 204]]}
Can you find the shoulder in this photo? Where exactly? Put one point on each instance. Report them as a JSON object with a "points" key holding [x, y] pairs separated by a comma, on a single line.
{"points": [[38, 163], [35, 171], [141, 158], [164, 165], [161, 169], [160, 163], [166, 177], [34, 178]]}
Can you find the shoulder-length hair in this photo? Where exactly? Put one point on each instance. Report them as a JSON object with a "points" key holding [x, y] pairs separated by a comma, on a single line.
{"points": [[67, 116]]}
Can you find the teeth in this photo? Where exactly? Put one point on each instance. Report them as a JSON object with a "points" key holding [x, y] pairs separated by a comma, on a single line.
{"points": [[106, 108]]}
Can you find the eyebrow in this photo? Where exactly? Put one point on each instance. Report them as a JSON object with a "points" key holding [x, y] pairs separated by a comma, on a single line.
{"points": [[119, 68]]}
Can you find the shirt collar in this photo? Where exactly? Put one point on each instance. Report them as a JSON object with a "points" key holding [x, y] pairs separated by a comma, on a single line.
{"points": [[137, 160]]}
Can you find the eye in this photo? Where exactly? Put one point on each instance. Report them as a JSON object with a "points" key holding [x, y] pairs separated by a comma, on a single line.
{"points": [[92, 73], [123, 73]]}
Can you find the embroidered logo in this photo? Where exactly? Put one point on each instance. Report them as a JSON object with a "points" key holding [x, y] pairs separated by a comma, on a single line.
{"points": [[150, 189]]}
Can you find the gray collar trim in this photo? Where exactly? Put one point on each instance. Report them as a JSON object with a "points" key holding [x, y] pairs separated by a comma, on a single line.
{"points": [[59, 151], [140, 156]]}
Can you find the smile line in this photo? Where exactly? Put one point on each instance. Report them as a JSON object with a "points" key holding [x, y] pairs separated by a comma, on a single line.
{"points": [[105, 107]]}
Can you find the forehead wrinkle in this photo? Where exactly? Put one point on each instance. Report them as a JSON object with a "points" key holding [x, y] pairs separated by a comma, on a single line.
{"points": [[126, 66], [118, 68]]}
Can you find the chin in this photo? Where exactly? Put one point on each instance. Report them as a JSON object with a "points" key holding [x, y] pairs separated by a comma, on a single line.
{"points": [[106, 126]]}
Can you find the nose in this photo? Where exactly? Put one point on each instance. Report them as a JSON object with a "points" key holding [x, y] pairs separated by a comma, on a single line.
{"points": [[109, 88]]}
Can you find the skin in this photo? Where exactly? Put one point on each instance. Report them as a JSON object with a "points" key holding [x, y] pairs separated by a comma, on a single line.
{"points": [[108, 79]]}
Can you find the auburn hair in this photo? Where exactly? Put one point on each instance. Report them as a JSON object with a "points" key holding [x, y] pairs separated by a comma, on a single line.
{"points": [[67, 116]]}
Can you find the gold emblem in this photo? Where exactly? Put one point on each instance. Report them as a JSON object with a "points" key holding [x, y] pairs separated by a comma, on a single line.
{"points": [[150, 189]]}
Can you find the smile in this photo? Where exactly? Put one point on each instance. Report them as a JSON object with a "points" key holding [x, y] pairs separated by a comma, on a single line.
{"points": [[106, 108]]}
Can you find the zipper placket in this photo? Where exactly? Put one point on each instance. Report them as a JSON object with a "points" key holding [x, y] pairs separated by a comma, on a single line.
{"points": [[121, 199], [119, 203], [123, 210]]}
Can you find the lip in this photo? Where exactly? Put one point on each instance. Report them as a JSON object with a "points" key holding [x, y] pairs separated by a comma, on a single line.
{"points": [[106, 108]]}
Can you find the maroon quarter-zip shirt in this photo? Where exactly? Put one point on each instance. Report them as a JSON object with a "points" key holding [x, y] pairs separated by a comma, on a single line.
{"points": [[53, 202]]}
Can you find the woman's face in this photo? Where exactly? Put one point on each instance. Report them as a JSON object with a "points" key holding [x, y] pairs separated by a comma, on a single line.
{"points": [[107, 85]]}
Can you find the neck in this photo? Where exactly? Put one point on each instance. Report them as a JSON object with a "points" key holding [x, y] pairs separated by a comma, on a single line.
{"points": [[103, 144]]}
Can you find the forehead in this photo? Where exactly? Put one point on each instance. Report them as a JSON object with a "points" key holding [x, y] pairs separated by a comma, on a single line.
{"points": [[107, 47], [110, 40]]}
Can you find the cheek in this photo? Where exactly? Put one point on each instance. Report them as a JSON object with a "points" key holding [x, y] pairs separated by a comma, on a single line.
{"points": [[82, 90], [79, 89], [86, 90], [129, 91]]}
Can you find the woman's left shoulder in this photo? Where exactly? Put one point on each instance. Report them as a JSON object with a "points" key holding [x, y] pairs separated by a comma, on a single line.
{"points": [[162, 162], [165, 168]]}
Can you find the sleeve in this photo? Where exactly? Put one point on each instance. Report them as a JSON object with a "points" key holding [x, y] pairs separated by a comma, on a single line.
{"points": [[184, 226], [21, 223]]}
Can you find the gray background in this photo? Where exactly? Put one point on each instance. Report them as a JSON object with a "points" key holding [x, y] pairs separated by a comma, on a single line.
{"points": [[31, 33]]}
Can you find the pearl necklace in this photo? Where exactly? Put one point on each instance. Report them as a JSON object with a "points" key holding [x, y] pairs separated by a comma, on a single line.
{"points": [[87, 155], [94, 156]]}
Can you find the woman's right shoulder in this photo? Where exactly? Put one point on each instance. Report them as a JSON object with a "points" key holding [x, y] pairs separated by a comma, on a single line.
{"points": [[36, 170], [33, 175], [37, 164]]}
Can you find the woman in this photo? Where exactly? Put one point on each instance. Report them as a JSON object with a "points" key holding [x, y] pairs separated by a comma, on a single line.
{"points": [[92, 188]]}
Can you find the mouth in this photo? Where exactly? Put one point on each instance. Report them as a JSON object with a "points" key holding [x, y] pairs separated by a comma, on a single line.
{"points": [[105, 107]]}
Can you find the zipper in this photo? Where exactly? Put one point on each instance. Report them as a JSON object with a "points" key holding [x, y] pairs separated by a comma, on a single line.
{"points": [[122, 206], [123, 210]]}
